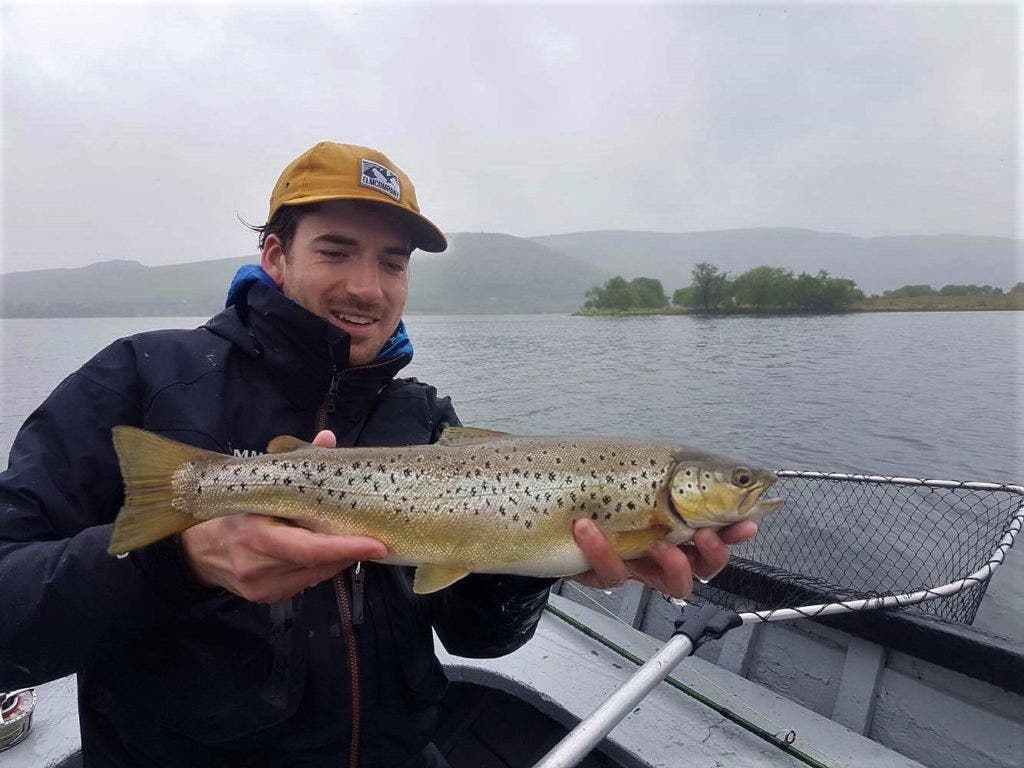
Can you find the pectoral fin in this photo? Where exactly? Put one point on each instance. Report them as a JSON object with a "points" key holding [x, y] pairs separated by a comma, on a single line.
{"points": [[630, 544], [431, 578]]}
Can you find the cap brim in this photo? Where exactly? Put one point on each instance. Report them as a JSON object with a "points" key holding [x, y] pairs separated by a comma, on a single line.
{"points": [[425, 235]]}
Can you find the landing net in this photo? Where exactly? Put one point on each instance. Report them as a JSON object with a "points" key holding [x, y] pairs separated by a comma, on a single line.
{"points": [[842, 538]]}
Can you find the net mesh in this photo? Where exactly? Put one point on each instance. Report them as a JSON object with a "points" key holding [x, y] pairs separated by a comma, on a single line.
{"points": [[842, 537]]}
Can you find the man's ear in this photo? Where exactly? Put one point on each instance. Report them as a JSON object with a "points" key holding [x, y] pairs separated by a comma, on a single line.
{"points": [[273, 258]]}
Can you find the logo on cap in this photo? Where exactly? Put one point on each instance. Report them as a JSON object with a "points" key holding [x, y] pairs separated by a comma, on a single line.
{"points": [[376, 176]]}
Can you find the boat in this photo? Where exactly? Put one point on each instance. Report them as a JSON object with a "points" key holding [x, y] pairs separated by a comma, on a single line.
{"points": [[906, 687]]}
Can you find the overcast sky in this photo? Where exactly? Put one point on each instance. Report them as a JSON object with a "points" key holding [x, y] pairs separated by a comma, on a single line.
{"points": [[142, 131]]}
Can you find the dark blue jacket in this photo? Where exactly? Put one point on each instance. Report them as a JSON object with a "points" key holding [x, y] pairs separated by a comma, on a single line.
{"points": [[173, 673]]}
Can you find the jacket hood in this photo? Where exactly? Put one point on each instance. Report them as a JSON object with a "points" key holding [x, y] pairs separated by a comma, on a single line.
{"points": [[303, 350]]}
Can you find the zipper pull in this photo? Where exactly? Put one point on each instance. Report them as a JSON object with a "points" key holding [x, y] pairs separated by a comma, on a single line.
{"points": [[357, 594], [332, 393]]}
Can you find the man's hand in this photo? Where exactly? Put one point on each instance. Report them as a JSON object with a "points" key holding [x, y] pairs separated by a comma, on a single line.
{"points": [[266, 560], [667, 568]]}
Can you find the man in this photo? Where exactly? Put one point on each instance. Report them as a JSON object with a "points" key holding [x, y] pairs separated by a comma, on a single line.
{"points": [[245, 641]]}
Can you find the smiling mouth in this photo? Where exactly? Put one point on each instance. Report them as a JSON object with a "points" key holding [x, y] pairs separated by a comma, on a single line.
{"points": [[348, 319]]}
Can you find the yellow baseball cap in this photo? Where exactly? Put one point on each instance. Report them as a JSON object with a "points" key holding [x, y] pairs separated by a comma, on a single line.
{"points": [[331, 171]]}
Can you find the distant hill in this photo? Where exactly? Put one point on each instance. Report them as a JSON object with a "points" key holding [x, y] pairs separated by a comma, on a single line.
{"points": [[478, 274], [875, 264], [483, 273], [494, 273], [119, 288]]}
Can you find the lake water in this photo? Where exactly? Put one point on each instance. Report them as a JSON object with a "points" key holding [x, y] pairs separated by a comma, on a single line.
{"points": [[933, 395]]}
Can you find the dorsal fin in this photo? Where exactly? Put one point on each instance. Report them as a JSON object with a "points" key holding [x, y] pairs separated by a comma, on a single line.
{"points": [[468, 435], [286, 444]]}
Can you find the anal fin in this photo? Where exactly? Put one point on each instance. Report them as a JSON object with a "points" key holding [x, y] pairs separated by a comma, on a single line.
{"points": [[432, 578]]}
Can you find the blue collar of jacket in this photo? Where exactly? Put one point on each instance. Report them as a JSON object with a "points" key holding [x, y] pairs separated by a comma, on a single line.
{"points": [[398, 345], [305, 354]]}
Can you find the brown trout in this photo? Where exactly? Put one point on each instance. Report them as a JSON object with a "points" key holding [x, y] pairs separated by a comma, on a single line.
{"points": [[476, 502]]}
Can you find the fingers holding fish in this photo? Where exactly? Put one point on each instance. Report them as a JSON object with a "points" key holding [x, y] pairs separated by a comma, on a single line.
{"points": [[708, 553], [265, 561], [667, 568], [737, 533], [607, 569]]}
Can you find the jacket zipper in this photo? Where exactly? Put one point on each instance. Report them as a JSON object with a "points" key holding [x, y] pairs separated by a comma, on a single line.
{"points": [[329, 405], [349, 607], [348, 622]]}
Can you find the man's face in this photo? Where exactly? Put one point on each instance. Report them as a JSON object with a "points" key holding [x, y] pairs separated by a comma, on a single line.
{"points": [[349, 264]]}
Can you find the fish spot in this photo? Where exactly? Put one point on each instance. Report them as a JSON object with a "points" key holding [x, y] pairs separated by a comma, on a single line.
{"points": [[630, 505], [593, 515], [529, 523]]}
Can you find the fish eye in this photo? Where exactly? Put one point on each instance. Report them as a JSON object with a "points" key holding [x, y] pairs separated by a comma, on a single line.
{"points": [[742, 477]]}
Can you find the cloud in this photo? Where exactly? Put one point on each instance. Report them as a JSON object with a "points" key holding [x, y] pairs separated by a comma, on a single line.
{"points": [[140, 131]]}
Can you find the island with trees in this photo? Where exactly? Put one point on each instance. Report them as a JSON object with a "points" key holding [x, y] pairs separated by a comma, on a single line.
{"points": [[774, 290]]}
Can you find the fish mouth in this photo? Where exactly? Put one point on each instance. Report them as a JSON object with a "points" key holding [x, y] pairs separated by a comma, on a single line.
{"points": [[753, 503], [750, 506], [764, 506]]}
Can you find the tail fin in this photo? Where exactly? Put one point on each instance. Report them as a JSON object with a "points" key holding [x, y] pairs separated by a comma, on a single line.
{"points": [[148, 463]]}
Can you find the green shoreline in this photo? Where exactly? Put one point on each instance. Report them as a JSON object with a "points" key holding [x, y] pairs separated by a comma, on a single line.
{"points": [[1005, 303]]}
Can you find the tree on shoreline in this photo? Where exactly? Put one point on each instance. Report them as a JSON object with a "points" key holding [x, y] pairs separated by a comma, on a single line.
{"points": [[617, 294], [711, 288], [768, 289]]}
